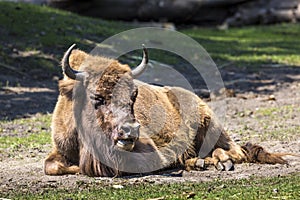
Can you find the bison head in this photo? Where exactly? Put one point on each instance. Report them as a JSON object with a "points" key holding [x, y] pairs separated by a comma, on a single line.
{"points": [[109, 89]]}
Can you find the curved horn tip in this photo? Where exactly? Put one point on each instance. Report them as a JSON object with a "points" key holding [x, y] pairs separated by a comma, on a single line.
{"points": [[70, 49], [68, 53], [65, 63], [72, 46], [145, 52], [143, 65]]}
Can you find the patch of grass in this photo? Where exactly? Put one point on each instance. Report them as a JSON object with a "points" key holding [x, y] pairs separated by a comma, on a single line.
{"points": [[251, 46], [268, 126], [45, 26], [21, 135], [274, 112], [49, 32], [283, 134], [29, 142], [39, 121], [279, 131], [254, 188]]}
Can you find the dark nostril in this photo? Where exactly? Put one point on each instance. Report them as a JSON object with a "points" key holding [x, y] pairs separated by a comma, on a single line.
{"points": [[125, 129], [121, 134]]}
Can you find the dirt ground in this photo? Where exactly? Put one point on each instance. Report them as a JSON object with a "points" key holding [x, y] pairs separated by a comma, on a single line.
{"points": [[274, 88]]}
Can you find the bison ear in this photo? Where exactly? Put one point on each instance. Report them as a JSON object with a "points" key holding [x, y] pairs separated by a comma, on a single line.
{"points": [[66, 87]]}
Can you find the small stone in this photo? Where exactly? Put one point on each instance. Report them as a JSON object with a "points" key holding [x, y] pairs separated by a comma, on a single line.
{"points": [[272, 98], [118, 186]]}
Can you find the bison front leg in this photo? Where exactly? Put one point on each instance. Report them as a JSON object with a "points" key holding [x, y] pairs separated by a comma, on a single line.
{"points": [[222, 159], [195, 164], [56, 164], [225, 159], [200, 164]]}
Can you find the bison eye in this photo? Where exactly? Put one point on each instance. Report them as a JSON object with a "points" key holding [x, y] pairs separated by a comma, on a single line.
{"points": [[97, 100]]}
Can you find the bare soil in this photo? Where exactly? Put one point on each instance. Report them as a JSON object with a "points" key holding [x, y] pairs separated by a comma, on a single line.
{"points": [[252, 94]]}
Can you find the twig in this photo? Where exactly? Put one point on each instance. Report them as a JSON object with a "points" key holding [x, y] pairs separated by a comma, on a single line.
{"points": [[225, 65]]}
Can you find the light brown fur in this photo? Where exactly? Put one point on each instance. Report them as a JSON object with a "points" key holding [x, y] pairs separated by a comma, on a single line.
{"points": [[170, 118]]}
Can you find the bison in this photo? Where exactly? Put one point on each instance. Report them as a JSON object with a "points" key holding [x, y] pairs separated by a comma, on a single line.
{"points": [[160, 126]]}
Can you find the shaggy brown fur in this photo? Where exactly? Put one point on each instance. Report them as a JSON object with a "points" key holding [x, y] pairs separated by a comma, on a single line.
{"points": [[171, 119], [257, 154]]}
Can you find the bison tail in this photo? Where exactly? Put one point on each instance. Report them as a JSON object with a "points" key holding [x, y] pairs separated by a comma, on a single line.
{"points": [[257, 154]]}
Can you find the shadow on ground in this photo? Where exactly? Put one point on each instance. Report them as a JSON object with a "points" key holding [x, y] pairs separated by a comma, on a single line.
{"points": [[21, 97]]}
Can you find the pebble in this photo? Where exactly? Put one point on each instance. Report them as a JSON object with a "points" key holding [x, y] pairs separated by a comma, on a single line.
{"points": [[118, 186]]}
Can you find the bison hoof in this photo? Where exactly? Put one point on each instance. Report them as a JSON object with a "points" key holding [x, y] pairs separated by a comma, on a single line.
{"points": [[228, 165], [200, 164], [225, 166], [220, 166]]}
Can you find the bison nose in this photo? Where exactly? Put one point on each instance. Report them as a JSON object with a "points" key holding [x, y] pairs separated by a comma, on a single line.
{"points": [[130, 130]]}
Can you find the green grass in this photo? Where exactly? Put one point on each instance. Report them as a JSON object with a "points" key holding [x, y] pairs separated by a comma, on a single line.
{"points": [[279, 131], [45, 26], [268, 125], [275, 112], [34, 38], [254, 188], [251, 46], [29, 141], [25, 134]]}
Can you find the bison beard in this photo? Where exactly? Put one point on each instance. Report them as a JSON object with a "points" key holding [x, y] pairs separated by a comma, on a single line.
{"points": [[115, 103]]}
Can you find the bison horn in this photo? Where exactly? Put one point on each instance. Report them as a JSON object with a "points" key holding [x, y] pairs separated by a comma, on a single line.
{"points": [[68, 71], [141, 68]]}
